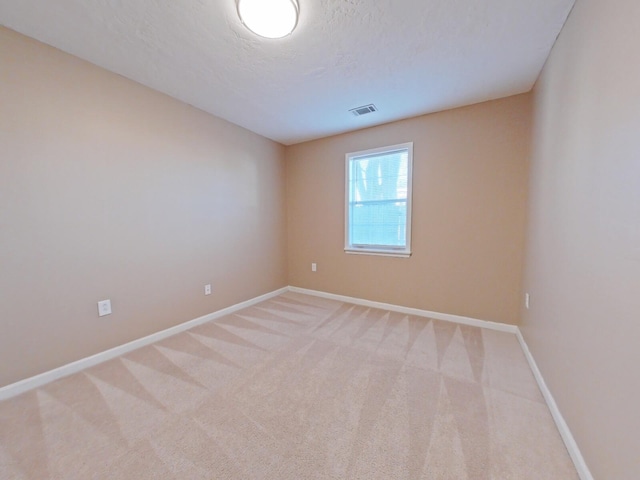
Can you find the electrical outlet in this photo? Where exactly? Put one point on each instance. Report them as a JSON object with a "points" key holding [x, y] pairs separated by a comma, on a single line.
{"points": [[314, 267], [104, 308], [526, 301], [207, 289]]}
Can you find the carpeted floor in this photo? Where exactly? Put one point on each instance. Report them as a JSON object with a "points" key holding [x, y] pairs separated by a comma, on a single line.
{"points": [[297, 388]]}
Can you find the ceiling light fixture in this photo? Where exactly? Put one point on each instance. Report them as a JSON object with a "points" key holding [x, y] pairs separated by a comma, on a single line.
{"points": [[269, 18]]}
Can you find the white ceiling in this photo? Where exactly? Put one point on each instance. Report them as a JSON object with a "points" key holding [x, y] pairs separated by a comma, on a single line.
{"points": [[408, 57]]}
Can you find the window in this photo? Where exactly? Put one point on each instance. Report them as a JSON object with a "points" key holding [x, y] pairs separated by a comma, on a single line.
{"points": [[378, 201]]}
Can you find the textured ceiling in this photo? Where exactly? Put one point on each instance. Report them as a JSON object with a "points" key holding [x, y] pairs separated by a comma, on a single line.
{"points": [[408, 57]]}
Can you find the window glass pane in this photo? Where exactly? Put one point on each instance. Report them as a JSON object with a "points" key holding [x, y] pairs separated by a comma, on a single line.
{"points": [[378, 199]]}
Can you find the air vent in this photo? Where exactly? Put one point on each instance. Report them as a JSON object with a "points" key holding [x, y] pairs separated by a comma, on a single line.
{"points": [[364, 110]]}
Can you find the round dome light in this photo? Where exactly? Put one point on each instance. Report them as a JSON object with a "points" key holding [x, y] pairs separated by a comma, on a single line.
{"points": [[269, 18]]}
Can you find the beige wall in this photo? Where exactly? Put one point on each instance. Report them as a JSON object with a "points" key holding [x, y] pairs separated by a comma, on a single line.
{"points": [[583, 262], [469, 194], [111, 190]]}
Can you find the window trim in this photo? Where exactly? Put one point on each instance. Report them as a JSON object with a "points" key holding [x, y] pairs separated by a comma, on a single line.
{"points": [[382, 250]]}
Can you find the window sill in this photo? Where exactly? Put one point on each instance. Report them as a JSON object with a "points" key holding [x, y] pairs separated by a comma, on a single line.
{"points": [[382, 253]]}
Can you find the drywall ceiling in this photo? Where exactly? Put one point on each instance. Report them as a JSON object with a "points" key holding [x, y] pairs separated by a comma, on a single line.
{"points": [[408, 57]]}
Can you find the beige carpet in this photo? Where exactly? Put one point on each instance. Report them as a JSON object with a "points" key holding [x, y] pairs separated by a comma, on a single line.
{"points": [[296, 387]]}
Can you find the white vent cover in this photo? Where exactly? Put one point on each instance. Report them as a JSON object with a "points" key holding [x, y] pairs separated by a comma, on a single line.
{"points": [[363, 110]]}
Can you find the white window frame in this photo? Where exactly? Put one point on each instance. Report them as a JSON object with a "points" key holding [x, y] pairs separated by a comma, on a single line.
{"points": [[385, 250]]}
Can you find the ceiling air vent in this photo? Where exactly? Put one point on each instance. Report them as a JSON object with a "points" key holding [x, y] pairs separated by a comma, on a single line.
{"points": [[364, 110]]}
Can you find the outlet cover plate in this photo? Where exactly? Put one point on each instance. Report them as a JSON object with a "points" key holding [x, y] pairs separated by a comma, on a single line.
{"points": [[104, 308]]}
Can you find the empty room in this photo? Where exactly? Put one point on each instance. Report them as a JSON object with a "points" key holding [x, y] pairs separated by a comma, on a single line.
{"points": [[319, 239]]}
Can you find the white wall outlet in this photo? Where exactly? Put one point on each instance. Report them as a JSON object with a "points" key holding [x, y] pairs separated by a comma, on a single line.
{"points": [[526, 301], [207, 289], [104, 308], [314, 267]]}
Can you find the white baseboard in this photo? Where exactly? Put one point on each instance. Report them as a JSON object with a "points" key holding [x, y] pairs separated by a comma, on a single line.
{"points": [[563, 428], [36, 381], [22, 386], [501, 327]]}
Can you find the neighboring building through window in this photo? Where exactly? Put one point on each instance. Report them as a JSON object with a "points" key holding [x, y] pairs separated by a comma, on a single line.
{"points": [[378, 201]]}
